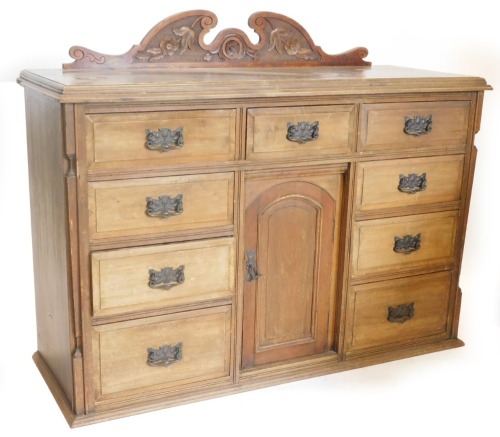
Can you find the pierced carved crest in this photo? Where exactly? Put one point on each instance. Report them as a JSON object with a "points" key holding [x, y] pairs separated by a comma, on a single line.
{"points": [[180, 40]]}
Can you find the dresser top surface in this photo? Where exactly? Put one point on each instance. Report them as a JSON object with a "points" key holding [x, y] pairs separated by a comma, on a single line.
{"points": [[220, 83]]}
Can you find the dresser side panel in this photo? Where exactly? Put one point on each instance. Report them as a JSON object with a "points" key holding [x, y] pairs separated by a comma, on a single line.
{"points": [[49, 233]]}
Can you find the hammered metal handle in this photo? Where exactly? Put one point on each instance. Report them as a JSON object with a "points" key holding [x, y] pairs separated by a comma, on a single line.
{"points": [[418, 125], [407, 244], [302, 132], [165, 355], [164, 139], [251, 265], [412, 183], [401, 313], [164, 206], [166, 278]]}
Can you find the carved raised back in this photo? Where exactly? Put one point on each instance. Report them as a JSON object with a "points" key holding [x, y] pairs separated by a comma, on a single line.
{"points": [[180, 41]]}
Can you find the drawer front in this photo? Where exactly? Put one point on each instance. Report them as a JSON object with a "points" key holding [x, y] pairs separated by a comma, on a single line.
{"points": [[402, 310], [158, 205], [414, 125], [116, 140], [400, 243], [146, 278], [300, 132], [409, 182], [161, 352]]}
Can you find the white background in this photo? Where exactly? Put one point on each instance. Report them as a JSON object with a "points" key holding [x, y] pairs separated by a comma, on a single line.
{"points": [[448, 393]]}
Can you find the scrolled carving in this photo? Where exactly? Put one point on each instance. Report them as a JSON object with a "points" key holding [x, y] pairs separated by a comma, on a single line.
{"points": [[165, 355], [407, 244], [166, 278], [302, 132], [164, 206], [180, 40], [412, 183], [288, 43], [401, 313], [164, 139], [86, 55], [418, 125]]}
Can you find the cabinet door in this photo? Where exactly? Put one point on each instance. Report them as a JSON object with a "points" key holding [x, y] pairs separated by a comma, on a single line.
{"points": [[289, 230]]}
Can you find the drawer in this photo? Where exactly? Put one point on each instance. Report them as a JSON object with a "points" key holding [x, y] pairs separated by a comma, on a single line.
{"points": [[409, 182], [161, 352], [148, 278], [401, 243], [157, 205], [403, 310], [121, 139], [299, 132], [414, 126]]}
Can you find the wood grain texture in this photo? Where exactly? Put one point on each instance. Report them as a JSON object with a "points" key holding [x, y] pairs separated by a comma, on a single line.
{"points": [[118, 208], [378, 182], [49, 235], [179, 40], [121, 352], [291, 228], [321, 216], [120, 277], [267, 132], [117, 140], [373, 243], [193, 85], [382, 125], [368, 325]]}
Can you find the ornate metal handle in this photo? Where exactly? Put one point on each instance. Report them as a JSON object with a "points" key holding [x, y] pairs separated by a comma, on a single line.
{"points": [[164, 206], [302, 132], [418, 125], [165, 355], [401, 313], [407, 244], [164, 139], [166, 278], [252, 272], [412, 183]]}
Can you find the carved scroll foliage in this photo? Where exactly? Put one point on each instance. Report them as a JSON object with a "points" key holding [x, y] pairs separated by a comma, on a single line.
{"points": [[180, 40]]}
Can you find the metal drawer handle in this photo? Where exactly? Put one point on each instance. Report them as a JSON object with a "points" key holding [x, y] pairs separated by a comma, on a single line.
{"points": [[407, 244], [166, 278], [252, 273], [164, 139], [302, 132], [165, 355], [164, 206], [418, 125], [412, 183], [401, 313]]}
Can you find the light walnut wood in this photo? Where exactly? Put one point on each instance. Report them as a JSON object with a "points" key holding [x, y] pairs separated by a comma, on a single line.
{"points": [[321, 217], [382, 125], [189, 85], [267, 132], [291, 228], [121, 352], [120, 277], [369, 304], [118, 139], [49, 225], [118, 208], [378, 181], [373, 243]]}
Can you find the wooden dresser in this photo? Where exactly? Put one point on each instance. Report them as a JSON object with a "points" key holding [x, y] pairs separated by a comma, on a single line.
{"points": [[212, 218]]}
